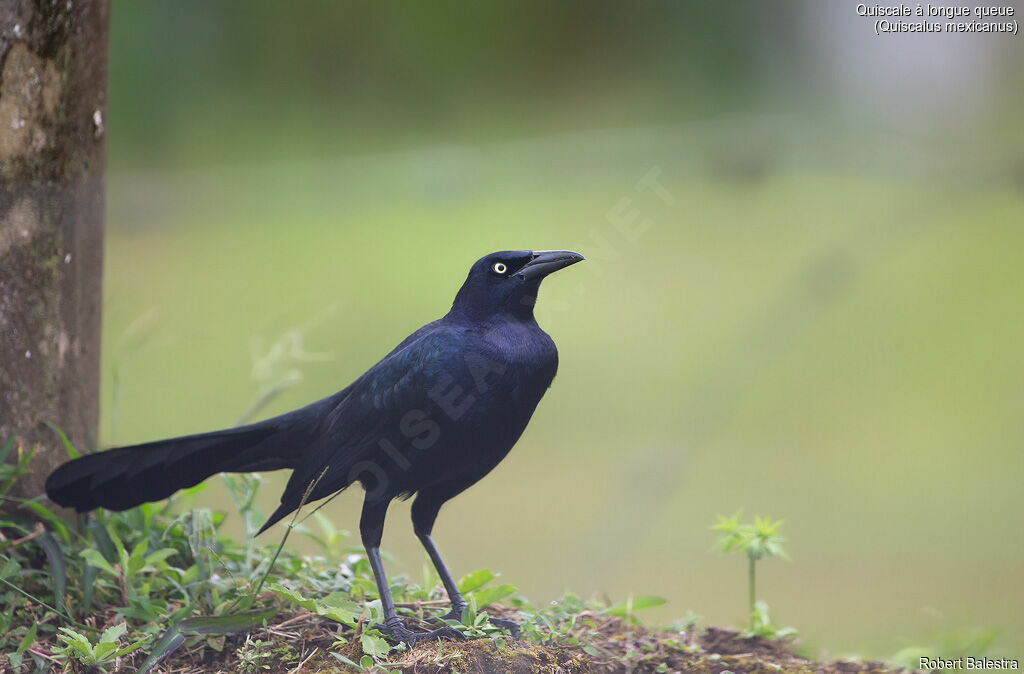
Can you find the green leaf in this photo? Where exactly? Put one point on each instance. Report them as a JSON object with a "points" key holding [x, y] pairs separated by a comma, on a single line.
{"points": [[113, 634], [292, 596], [76, 641], [130, 647], [58, 567], [468, 615], [475, 580], [374, 646], [632, 605], [12, 471], [28, 639], [342, 658], [137, 559], [103, 650], [102, 539], [489, 595], [9, 568], [341, 600], [376, 611], [122, 554], [94, 558], [160, 555], [335, 606], [338, 615], [68, 447], [727, 524]]}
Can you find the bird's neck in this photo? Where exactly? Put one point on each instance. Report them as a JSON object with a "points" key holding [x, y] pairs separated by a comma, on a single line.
{"points": [[468, 305], [461, 315]]}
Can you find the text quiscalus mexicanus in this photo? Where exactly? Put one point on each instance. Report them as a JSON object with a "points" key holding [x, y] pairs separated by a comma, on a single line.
{"points": [[431, 418]]}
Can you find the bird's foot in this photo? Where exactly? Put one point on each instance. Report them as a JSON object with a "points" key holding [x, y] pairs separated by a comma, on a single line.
{"points": [[456, 614], [399, 633], [511, 625]]}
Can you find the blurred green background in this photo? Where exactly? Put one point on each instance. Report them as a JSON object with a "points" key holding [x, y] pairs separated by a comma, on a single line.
{"points": [[815, 316]]}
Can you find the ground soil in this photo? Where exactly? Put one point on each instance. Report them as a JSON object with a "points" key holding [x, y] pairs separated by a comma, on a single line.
{"points": [[302, 644]]}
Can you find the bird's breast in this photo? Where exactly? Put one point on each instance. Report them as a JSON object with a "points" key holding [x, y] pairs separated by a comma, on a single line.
{"points": [[524, 361], [528, 352], [477, 394]]}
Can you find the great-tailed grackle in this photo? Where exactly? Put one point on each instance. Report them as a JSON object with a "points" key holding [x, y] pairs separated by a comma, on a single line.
{"points": [[431, 418]]}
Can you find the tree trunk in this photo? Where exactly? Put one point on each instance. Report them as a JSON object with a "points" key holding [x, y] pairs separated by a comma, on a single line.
{"points": [[53, 83]]}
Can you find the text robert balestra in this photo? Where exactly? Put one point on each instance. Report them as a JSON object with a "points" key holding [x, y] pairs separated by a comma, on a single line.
{"points": [[967, 662]]}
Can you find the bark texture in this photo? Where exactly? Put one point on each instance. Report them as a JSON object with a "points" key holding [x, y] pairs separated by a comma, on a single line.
{"points": [[53, 83]]}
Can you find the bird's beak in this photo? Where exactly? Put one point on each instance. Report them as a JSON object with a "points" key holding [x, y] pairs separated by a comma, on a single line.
{"points": [[546, 261]]}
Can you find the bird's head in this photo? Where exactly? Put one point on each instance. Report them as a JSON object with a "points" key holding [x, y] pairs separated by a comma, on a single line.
{"points": [[507, 281]]}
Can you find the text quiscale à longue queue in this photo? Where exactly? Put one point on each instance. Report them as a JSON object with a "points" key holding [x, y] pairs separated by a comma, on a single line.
{"points": [[946, 12]]}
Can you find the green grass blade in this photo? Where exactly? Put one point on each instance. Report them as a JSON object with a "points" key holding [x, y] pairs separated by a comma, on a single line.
{"points": [[68, 447], [56, 523], [174, 637], [225, 624], [58, 566], [104, 543], [171, 641], [89, 574], [6, 449], [288, 530]]}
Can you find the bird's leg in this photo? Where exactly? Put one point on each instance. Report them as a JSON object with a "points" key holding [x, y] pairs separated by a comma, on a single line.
{"points": [[458, 603], [371, 526], [424, 512]]}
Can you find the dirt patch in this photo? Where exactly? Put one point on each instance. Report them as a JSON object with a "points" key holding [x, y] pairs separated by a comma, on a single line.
{"points": [[728, 649], [484, 657], [731, 642], [303, 644]]}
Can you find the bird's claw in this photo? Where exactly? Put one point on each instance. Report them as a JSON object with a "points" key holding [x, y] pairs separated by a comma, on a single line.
{"points": [[456, 614], [399, 633], [511, 625]]}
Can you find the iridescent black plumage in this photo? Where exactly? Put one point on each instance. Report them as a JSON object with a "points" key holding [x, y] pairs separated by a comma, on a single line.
{"points": [[431, 418]]}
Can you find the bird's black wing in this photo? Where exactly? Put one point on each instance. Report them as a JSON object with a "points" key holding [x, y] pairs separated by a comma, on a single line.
{"points": [[358, 436]]}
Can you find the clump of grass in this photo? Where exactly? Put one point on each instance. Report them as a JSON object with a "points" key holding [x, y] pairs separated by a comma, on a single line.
{"points": [[133, 588]]}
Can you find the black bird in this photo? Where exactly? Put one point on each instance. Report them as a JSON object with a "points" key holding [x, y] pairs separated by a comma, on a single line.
{"points": [[431, 418]]}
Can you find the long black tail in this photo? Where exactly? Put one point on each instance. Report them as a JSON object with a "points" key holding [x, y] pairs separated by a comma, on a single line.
{"points": [[122, 478]]}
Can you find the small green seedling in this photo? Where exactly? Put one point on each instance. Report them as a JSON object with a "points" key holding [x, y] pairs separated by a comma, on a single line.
{"points": [[104, 652], [254, 656], [757, 540]]}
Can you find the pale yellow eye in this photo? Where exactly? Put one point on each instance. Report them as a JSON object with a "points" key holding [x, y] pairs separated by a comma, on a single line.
{"points": [[499, 267]]}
